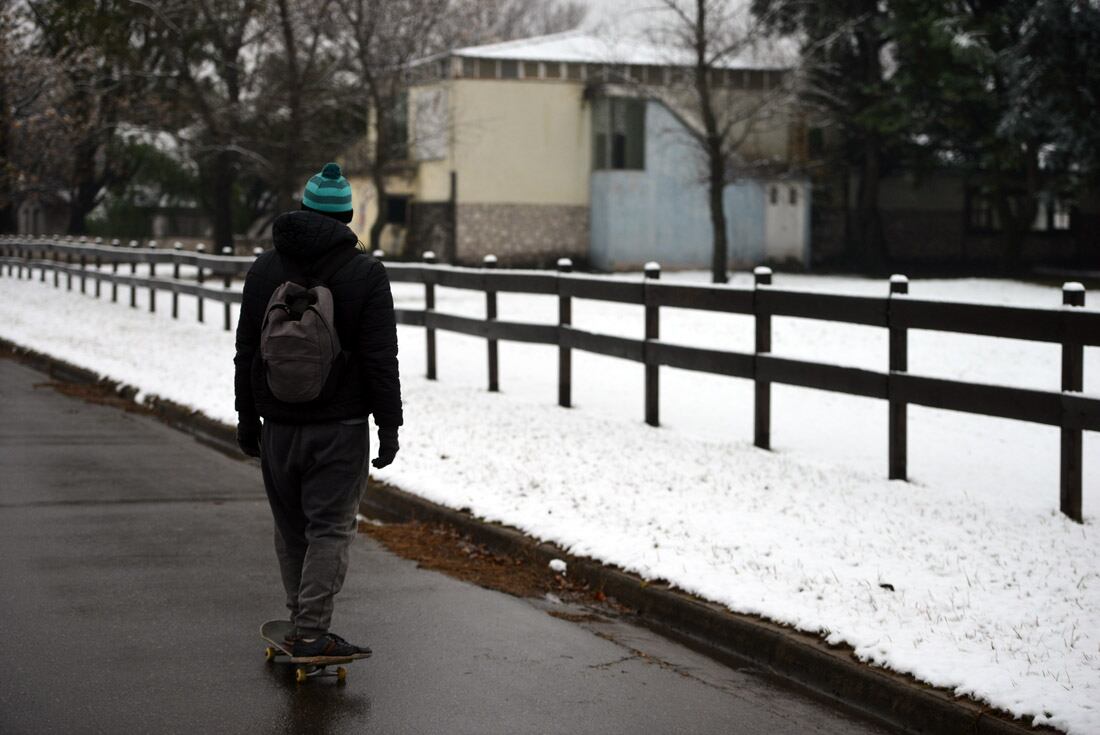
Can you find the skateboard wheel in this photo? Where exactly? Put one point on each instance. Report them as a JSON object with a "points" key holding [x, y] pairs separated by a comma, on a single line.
{"points": [[270, 653], [300, 676], [341, 673]]}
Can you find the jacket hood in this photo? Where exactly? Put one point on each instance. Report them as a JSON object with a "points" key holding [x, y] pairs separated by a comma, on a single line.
{"points": [[308, 236]]}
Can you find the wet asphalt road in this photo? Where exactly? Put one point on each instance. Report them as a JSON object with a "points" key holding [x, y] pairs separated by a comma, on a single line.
{"points": [[136, 567]]}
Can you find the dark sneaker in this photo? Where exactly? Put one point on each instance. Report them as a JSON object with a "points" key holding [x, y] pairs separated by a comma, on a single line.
{"points": [[329, 645]]}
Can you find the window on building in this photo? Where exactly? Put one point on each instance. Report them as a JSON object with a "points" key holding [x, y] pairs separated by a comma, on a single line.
{"points": [[619, 130], [792, 195], [509, 69], [469, 68], [773, 194], [487, 69], [1051, 215], [397, 128], [552, 69], [754, 80], [595, 72], [397, 210], [654, 75], [530, 70], [981, 212]]}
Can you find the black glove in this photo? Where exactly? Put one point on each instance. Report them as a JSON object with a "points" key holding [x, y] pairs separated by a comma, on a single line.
{"points": [[248, 435], [387, 446]]}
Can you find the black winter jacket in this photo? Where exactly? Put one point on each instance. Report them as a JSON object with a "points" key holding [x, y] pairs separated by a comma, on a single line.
{"points": [[369, 382]]}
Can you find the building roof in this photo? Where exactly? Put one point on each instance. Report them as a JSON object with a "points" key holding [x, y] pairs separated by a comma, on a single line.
{"points": [[590, 47]]}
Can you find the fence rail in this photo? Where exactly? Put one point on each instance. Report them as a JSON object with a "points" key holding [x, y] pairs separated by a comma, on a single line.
{"points": [[1070, 325]]}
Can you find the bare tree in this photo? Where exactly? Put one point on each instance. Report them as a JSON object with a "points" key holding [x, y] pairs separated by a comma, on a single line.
{"points": [[473, 22], [97, 54], [714, 45], [213, 48], [25, 83], [382, 38], [311, 110]]}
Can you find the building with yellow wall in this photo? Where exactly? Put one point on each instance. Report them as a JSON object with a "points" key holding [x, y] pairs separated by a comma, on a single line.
{"points": [[567, 145]]}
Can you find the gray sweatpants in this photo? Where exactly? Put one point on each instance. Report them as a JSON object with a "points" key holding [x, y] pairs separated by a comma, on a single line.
{"points": [[315, 475]]}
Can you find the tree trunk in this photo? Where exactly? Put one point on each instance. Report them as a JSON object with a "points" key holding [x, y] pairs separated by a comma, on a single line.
{"points": [[720, 257], [295, 95], [1017, 208], [85, 189], [225, 177], [7, 191], [378, 177], [869, 248]]}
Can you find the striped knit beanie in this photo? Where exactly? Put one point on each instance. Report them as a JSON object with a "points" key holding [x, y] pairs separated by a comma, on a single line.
{"points": [[328, 191]]}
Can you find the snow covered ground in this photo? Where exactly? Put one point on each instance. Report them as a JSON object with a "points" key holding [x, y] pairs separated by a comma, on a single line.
{"points": [[995, 594]]}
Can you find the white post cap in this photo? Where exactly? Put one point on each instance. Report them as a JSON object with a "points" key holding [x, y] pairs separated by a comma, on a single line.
{"points": [[898, 278], [565, 263], [378, 253], [762, 270], [490, 258], [1073, 286], [652, 265]]}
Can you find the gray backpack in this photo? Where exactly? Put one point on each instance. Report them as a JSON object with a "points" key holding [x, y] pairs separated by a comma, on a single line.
{"points": [[298, 340]]}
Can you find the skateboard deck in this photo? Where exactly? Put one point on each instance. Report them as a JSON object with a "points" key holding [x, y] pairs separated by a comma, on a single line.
{"points": [[275, 632]]}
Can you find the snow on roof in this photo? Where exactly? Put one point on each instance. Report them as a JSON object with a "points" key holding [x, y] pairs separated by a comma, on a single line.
{"points": [[589, 47]]}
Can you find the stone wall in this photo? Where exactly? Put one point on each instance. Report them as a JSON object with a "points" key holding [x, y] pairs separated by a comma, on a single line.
{"points": [[522, 234]]}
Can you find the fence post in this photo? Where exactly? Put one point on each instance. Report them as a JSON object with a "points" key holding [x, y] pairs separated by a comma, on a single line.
{"points": [[228, 281], [42, 270], [652, 331], [97, 261], [897, 429], [565, 356], [177, 247], [133, 273], [200, 250], [68, 265], [83, 265], [1073, 378], [429, 309], [114, 270], [55, 257], [152, 276], [490, 261], [762, 432]]}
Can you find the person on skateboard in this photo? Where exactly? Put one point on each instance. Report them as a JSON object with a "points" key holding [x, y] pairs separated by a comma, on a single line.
{"points": [[316, 355]]}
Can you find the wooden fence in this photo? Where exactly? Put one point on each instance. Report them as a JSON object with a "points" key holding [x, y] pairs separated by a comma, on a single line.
{"points": [[1071, 326]]}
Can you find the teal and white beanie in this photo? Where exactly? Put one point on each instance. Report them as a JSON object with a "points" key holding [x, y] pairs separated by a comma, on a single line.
{"points": [[328, 192]]}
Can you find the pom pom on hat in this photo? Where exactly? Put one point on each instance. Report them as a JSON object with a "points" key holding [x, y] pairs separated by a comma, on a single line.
{"points": [[328, 191]]}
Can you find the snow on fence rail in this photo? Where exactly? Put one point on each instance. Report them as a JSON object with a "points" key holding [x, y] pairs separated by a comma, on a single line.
{"points": [[1074, 328]]}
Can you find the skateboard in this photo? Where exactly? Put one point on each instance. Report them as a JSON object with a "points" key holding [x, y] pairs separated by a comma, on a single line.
{"points": [[307, 667]]}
